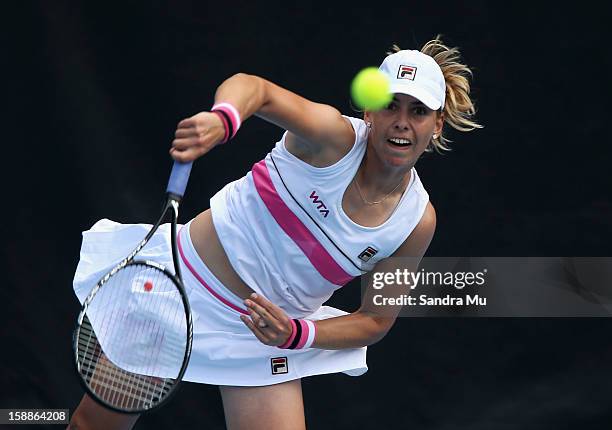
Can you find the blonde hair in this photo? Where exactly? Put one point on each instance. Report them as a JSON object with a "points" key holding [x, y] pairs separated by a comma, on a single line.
{"points": [[459, 109]]}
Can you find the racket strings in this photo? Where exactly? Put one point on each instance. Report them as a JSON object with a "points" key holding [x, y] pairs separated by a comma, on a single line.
{"points": [[117, 386], [132, 340], [136, 382]]}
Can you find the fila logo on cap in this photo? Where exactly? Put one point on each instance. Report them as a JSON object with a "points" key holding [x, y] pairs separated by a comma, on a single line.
{"points": [[406, 72], [401, 68], [279, 365], [367, 253]]}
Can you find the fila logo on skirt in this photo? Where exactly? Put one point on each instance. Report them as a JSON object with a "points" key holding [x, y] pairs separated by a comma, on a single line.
{"points": [[279, 365]]}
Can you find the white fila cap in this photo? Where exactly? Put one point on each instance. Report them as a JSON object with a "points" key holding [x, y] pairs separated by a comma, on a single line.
{"points": [[415, 74]]}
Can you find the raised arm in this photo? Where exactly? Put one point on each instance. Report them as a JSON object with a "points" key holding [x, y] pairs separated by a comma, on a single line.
{"points": [[315, 130]]}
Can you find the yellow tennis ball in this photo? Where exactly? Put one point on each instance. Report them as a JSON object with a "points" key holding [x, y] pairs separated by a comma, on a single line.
{"points": [[370, 89]]}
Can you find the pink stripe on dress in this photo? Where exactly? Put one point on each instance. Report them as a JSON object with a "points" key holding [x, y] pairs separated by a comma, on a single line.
{"points": [[322, 261], [199, 278]]}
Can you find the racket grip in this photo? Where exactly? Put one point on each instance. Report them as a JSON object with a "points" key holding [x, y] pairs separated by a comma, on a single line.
{"points": [[179, 178]]}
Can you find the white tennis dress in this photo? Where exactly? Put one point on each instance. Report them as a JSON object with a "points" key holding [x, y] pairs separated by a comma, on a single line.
{"points": [[286, 235]]}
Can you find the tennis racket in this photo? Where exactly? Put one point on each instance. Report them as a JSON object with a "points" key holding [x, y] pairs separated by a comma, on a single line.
{"points": [[133, 336]]}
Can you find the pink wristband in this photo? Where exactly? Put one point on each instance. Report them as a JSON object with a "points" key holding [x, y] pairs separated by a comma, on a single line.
{"points": [[232, 113], [302, 335], [225, 125], [291, 336]]}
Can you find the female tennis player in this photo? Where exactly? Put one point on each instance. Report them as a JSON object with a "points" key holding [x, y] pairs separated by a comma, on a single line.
{"points": [[333, 200]]}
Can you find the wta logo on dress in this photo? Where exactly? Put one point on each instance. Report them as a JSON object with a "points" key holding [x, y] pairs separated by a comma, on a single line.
{"points": [[321, 206], [406, 72]]}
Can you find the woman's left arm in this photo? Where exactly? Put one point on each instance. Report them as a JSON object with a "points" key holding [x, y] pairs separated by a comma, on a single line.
{"points": [[371, 322], [366, 326]]}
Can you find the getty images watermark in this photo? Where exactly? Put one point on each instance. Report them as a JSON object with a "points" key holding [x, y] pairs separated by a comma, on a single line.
{"points": [[491, 287], [412, 280]]}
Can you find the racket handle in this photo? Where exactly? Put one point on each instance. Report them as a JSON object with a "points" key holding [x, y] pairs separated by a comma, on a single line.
{"points": [[179, 178]]}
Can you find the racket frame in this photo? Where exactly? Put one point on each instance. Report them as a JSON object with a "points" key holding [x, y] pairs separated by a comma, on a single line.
{"points": [[172, 205]]}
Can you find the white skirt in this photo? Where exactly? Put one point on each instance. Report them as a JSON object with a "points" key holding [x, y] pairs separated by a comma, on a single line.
{"points": [[224, 352]]}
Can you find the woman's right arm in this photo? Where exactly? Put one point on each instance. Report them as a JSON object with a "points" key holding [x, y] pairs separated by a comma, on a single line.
{"points": [[315, 129]]}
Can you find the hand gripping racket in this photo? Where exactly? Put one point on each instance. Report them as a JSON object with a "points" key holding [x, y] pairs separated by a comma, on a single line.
{"points": [[133, 336]]}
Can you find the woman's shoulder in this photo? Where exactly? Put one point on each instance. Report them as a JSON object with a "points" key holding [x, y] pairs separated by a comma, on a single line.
{"points": [[324, 156]]}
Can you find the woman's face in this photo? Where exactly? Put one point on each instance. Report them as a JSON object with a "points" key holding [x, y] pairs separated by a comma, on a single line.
{"points": [[401, 131]]}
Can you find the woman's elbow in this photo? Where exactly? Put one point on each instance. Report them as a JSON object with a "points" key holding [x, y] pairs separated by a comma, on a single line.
{"points": [[378, 328]]}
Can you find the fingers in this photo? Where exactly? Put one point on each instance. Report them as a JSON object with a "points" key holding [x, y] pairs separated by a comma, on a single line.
{"points": [[190, 148], [183, 144], [270, 308], [196, 136], [186, 123], [258, 319], [262, 317], [267, 321], [186, 155], [256, 330], [184, 132]]}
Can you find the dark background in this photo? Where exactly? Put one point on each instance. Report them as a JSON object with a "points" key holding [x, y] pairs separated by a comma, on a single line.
{"points": [[92, 95]]}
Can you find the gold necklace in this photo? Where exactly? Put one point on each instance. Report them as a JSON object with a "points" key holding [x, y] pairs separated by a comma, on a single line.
{"points": [[367, 202]]}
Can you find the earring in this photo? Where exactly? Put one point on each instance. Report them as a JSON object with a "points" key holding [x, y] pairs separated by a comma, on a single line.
{"points": [[435, 136], [369, 124]]}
